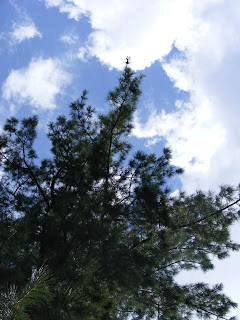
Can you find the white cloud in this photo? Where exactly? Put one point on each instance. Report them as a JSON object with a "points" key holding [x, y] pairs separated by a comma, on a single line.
{"points": [[24, 31], [193, 135], [24, 28], [38, 84], [73, 10], [204, 134], [145, 31], [69, 38], [210, 72], [83, 54]]}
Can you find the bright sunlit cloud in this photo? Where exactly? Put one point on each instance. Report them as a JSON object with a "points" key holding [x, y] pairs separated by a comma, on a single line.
{"points": [[193, 135], [38, 84], [139, 29]]}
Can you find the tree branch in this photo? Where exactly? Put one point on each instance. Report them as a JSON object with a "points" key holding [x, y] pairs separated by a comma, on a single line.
{"points": [[33, 175], [53, 184], [111, 138], [209, 216]]}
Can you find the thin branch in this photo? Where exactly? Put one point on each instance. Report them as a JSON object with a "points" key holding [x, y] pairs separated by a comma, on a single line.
{"points": [[111, 138], [187, 225], [209, 216], [33, 175], [178, 261], [15, 197], [53, 184], [208, 312], [85, 130], [20, 185], [3, 155], [142, 242]]}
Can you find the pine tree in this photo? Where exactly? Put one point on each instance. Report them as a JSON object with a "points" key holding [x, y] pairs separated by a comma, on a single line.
{"points": [[105, 223]]}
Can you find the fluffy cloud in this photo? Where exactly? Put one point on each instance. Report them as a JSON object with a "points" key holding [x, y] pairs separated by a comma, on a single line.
{"points": [[209, 71], [24, 31], [73, 9], [194, 137], [38, 84], [145, 31], [204, 132]]}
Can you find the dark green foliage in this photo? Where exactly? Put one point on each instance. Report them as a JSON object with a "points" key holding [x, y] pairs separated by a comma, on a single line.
{"points": [[106, 226], [18, 304]]}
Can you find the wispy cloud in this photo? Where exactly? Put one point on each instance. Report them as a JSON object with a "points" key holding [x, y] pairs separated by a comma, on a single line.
{"points": [[70, 37], [24, 31], [37, 85]]}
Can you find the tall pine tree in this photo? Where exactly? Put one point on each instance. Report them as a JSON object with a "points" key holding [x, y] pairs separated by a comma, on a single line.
{"points": [[104, 224]]}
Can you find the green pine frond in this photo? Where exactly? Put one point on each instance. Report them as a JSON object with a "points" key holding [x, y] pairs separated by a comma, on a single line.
{"points": [[19, 304]]}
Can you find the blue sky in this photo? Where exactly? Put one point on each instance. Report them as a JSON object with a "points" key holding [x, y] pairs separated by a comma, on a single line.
{"points": [[50, 50]]}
